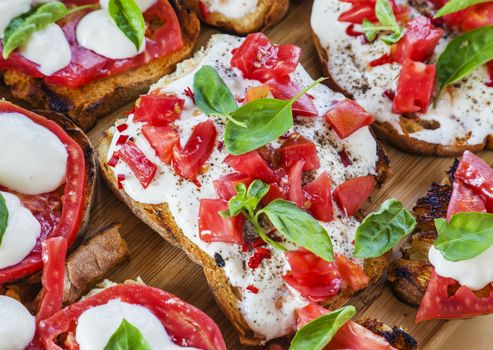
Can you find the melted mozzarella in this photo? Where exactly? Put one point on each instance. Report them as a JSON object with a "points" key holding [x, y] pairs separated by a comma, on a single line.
{"points": [[9, 9], [143, 4], [463, 114], [271, 312], [17, 325], [475, 273], [96, 325], [48, 48], [232, 8], [33, 160]]}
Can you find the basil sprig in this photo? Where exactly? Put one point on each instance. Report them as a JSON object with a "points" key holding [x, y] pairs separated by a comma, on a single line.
{"points": [[4, 217], [463, 55], [127, 337], [20, 29], [381, 230], [457, 5], [387, 23], [466, 235], [316, 334], [293, 223], [129, 19]]}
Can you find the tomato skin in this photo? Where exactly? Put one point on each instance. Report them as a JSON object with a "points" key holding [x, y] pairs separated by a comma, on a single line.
{"points": [[463, 200], [296, 148], [225, 186], [471, 18], [352, 194], [347, 116], [358, 12], [257, 58], [294, 179], [141, 166], [163, 139], [253, 165], [188, 161], [183, 322], [414, 88], [352, 273], [419, 41], [283, 88], [214, 228], [158, 110], [318, 195]]}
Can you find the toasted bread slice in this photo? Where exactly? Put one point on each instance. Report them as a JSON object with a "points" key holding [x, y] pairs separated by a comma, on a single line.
{"points": [[96, 99], [266, 14]]}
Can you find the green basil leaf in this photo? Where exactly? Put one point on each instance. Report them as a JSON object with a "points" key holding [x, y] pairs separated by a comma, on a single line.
{"points": [[463, 55], [129, 19], [385, 13], [370, 29], [394, 37], [381, 230], [466, 235], [316, 334], [4, 217], [457, 5], [127, 337], [299, 227], [387, 23]]}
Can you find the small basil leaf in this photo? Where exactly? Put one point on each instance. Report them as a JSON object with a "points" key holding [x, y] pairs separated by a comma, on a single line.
{"points": [[394, 37], [387, 23], [257, 189], [385, 13], [212, 95], [4, 217], [466, 235], [127, 337], [316, 334], [457, 5], [299, 227], [370, 30], [463, 55], [129, 19], [381, 230]]}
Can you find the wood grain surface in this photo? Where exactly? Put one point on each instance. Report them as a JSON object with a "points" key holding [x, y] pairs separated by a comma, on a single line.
{"points": [[163, 266]]}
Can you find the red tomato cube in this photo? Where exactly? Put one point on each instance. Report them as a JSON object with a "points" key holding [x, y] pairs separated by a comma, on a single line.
{"points": [[158, 110], [347, 116], [214, 228], [163, 139], [352, 194]]}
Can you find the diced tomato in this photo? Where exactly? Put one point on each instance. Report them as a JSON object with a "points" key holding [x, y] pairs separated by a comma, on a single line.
{"points": [[316, 279], [275, 192], [214, 228], [188, 161], [257, 58], [283, 88], [296, 148], [256, 92], [347, 116], [463, 200], [352, 194], [419, 41], [258, 256], [253, 165], [309, 313], [471, 18], [414, 88], [163, 139], [294, 178], [142, 167], [318, 196], [225, 186], [490, 74], [352, 273], [358, 12], [158, 110], [437, 303]]}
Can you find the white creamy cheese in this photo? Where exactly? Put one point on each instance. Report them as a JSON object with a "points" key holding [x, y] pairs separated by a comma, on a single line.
{"points": [[271, 312], [96, 325], [231, 8], [464, 112], [17, 325], [9, 9], [33, 160]]}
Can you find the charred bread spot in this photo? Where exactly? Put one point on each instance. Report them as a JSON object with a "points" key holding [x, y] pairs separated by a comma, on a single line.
{"points": [[396, 336]]}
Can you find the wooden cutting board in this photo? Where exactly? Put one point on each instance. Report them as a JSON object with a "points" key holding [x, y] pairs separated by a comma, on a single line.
{"points": [[163, 266]]}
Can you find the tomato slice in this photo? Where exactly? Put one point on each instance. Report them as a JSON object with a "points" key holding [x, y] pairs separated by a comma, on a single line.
{"points": [[163, 139], [225, 186], [463, 200], [283, 88], [294, 179], [358, 12], [141, 166], [214, 228], [318, 196], [188, 161], [276, 191], [471, 18], [297, 148], [352, 273], [419, 41], [183, 322], [414, 88], [257, 58], [352, 194], [347, 116], [252, 164], [158, 110]]}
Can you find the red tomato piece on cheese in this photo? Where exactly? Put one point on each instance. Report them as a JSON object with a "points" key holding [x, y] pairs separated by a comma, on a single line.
{"points": [[471, 18], [283, 88], [257, 58], [352, 194], [463, 200], [158, 110], [414, 88], [318, 196], [142, 167], [419, 41], [297, 148], [351, 273], [188, 161], [214, 228], [358, 12], [347, 116], [225, 186], [163, 139], [294, 179], [252, 164], [275, 192]]}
